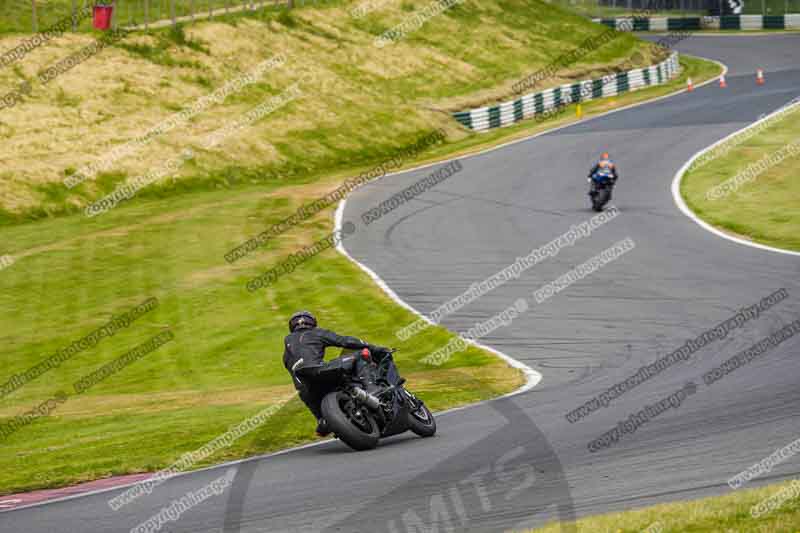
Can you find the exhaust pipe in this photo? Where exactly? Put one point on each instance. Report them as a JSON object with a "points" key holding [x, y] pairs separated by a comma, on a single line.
{"points": [[367, 399]]}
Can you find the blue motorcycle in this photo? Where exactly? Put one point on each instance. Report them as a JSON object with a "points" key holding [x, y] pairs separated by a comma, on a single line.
{"points": [[602, 182]]}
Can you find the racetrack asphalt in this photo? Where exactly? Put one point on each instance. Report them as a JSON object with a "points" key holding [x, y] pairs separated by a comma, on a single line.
{"points": [[519, 462]]}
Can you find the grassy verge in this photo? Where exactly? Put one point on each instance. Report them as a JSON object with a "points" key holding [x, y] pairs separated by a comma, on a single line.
{"points": [[764, 207], [729, 513], [595, 10], [71, 274]]}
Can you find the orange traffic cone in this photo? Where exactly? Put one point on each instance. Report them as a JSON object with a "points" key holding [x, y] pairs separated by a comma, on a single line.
{"points": [[689, 85], [722, 83], [760, 76]]}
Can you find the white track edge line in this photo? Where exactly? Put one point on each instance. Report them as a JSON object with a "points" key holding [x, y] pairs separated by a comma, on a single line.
{"points": [[511, 361], [681, 203], [532, 377]]}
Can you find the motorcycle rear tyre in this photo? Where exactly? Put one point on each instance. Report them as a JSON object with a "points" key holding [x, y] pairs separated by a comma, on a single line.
{"points": [[344, 428]]}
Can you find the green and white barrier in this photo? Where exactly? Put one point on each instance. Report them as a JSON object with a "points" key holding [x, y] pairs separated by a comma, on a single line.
{"points": [[652, 23], [757, 22], [536, 104], [726, 22]]}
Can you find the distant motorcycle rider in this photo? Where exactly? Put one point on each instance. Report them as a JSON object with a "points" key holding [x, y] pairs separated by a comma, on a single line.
{"points": [[605, 169], [602, 176], [304, 355]]}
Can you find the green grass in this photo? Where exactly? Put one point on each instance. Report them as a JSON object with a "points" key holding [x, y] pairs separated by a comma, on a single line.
{"points": [[723, 514], [159, 51], [228, 342], [592, 8], [771, 7], [72, 274], [764, 210], [16, 16]]}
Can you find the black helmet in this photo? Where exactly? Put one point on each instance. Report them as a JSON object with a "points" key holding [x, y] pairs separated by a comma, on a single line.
{"points": [[302, 320]]}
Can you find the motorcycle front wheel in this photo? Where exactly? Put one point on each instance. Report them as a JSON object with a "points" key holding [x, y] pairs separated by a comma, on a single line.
{"points": [[600, 199], [420, 418], [350, 422]]}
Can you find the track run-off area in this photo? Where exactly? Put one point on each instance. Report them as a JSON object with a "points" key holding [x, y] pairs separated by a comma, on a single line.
{"points": [[519, 462]]}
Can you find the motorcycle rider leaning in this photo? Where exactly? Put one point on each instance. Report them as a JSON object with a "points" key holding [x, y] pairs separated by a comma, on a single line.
{"points": [[304, 355]]}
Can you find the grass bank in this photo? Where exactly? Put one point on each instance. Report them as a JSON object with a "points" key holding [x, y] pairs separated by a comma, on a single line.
{"points": [[71, 274], [593, 9], [729, 513], [748, 186], [364, 102]]}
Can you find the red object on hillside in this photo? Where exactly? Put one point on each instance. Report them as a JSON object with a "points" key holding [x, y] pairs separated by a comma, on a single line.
{"points": [[102, 17]]}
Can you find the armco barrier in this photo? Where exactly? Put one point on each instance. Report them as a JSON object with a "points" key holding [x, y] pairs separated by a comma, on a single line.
{"points": [[727, 22], [531, 105]]}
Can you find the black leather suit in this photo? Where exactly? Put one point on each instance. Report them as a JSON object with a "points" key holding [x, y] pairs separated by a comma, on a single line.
{"points": [[304, 355]]}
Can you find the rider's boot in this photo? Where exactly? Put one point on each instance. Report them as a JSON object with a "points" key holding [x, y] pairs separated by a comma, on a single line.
{"points": [[323, 429]]}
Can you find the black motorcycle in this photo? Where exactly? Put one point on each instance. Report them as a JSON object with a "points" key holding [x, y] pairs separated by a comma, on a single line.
{"points": [[600, 191], [366, 401]]}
